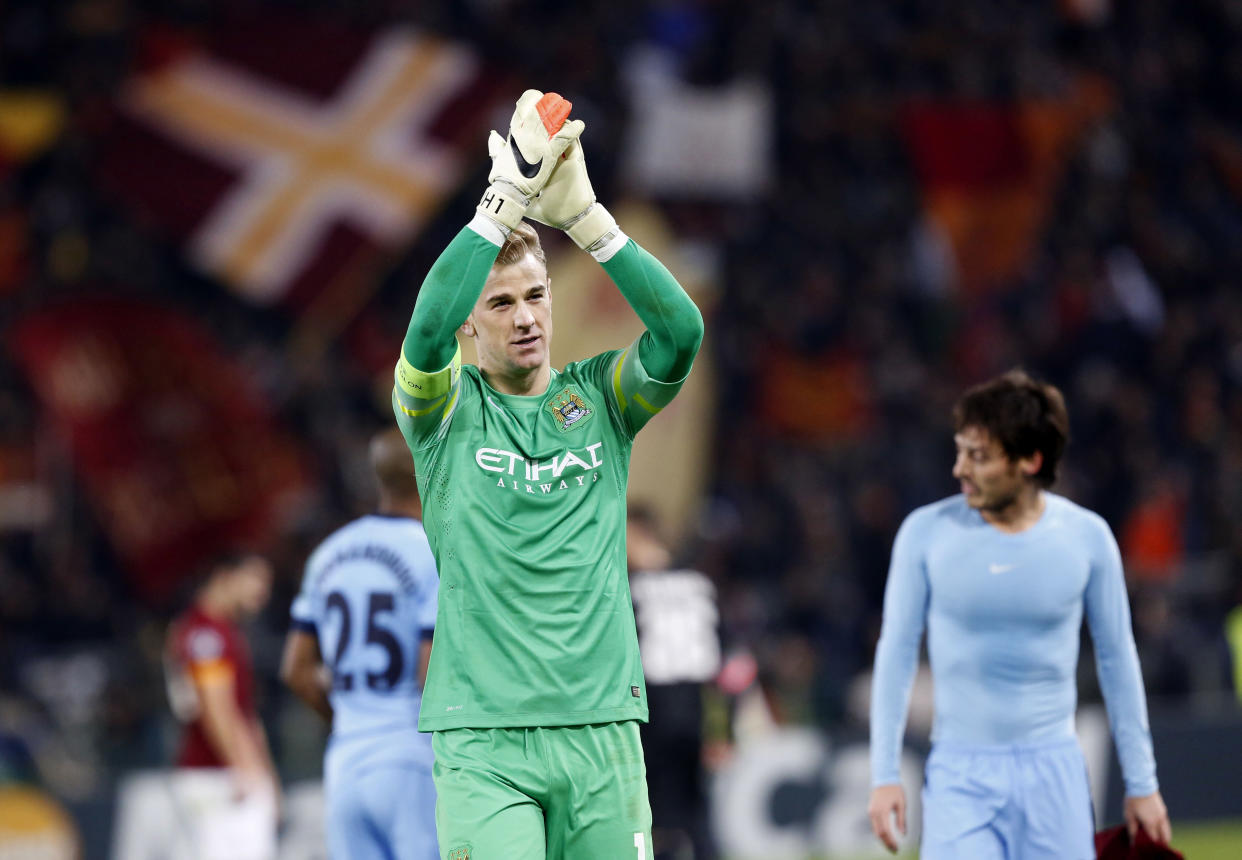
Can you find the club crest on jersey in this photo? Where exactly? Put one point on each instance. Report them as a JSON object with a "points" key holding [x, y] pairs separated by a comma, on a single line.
{"points": [[461, 852], [568, 408]]}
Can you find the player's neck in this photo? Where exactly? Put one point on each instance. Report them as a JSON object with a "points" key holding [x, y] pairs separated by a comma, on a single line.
{"points": [[394, 506], [527, 384], [1022, 512], [216, 603]]}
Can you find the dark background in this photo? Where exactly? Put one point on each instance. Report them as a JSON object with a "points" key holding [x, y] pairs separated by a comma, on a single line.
{"points": [[834, 284]]}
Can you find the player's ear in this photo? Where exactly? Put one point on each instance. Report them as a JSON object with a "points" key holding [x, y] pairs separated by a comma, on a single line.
{"points": [[1031, 465], [467, 328]]}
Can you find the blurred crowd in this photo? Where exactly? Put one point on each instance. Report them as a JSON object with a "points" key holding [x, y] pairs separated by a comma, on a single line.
{"points": [[1127, 301], [844, 325]]}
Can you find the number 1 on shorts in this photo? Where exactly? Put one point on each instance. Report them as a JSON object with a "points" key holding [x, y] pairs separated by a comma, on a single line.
{"points": [[641, 845]]}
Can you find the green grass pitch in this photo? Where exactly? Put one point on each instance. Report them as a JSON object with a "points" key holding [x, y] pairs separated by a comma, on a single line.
{"points": [[1220, 840]]}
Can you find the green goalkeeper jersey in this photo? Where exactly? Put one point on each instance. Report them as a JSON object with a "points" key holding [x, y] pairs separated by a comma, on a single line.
{"points": [[524, 506]]}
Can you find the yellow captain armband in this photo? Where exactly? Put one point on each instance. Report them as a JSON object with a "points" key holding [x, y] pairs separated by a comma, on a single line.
{"points": [[418, 393], [421, 385]]}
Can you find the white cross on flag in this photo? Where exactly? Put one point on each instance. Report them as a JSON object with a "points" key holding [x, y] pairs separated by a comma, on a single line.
{"points": [[285, 156]]}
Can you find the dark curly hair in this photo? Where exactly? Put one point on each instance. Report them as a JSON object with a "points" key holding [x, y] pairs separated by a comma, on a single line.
{"points": [[1023, 414]]}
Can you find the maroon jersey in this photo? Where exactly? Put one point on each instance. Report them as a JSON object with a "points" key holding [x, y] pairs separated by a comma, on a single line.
{"points": [[204, 650]]}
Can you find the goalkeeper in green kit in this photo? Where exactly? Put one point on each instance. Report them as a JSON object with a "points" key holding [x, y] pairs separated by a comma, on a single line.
{"points": [[535, 689]]}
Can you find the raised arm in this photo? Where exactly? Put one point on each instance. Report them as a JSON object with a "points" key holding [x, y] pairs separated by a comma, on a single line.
{"points": [[674, 324], [423, 394], [539, 132], [447, 296]]}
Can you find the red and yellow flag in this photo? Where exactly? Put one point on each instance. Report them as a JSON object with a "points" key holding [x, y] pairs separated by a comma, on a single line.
{"points": [[989, 173], [178, 452], [286, 155]]}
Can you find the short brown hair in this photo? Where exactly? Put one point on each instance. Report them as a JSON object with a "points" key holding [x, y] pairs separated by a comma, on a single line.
{"points": [[523, 239], [393, 464], [1023, 414], [223, 562]]}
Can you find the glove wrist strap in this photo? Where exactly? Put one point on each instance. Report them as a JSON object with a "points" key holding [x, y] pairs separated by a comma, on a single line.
{"points": [[504, 204], [591, 228]]}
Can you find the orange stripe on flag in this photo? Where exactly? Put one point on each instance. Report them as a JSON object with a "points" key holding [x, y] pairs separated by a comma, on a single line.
{"points": [[993, 215]]}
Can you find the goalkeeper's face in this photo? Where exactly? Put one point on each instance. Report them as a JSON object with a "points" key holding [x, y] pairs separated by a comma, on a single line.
{"points": [[512, 320]]}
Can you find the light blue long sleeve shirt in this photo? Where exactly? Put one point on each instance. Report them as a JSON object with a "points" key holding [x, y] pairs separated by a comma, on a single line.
{"points": [[1003, 614]]}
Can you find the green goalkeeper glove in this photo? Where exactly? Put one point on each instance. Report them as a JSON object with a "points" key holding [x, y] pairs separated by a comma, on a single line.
{"points": [[539, 133], [568, 202]]}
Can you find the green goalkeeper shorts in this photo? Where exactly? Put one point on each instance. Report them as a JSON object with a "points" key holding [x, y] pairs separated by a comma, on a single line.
{"points": [[560, 793]]}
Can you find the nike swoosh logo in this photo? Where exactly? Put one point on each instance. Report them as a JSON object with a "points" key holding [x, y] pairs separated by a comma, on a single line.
{"points": [[999, 568], [526, 168]]}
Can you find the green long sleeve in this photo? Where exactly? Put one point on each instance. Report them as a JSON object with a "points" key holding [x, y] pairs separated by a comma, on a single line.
{"points": [[446, 298], [674, 324]]}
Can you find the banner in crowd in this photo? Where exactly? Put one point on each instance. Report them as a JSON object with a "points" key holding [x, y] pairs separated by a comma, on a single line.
{"points": [[699, 142], [288, 156], [989, 172], [178, 453], [793, 404]]}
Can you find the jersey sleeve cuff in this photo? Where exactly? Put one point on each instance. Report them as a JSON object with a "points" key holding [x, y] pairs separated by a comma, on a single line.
{"points": [[609, 250], [1142, 787], [885, 769], [301, 625], [487, 228]]}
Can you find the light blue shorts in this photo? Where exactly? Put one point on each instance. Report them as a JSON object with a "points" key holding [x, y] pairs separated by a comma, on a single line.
{"points": [[1020, 802], [385, 813]]}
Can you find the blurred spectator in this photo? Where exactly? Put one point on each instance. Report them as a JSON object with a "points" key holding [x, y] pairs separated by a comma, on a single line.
{"points": [[221, 801], [1178, 659], [1152, 538], [675, 610]]}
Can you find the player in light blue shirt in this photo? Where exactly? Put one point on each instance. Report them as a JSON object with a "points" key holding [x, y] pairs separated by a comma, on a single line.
{"points": [[357, 653], [1001, 577]]}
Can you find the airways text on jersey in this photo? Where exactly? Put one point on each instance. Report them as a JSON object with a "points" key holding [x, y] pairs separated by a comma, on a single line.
{"points": [[571, 468]]}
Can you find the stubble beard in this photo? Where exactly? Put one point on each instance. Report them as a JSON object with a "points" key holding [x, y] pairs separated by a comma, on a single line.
{"points": [[998, 504]]}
